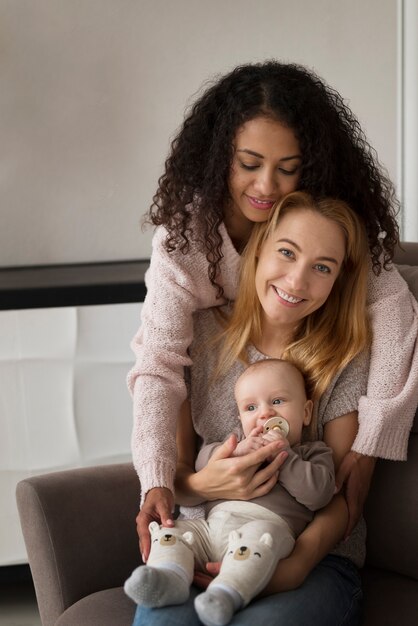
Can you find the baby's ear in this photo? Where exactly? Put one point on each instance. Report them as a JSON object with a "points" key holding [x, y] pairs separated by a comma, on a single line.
{"points": [[308, 412], [153, 527], [188, 537], [234, 535], [267, 540]]}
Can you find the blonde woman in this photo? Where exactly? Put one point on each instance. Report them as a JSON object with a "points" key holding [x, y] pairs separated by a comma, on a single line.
{"points": [[302, 297]]}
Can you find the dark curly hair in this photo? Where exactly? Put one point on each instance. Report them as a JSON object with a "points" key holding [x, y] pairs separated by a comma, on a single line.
{"points": [[337, 160]]}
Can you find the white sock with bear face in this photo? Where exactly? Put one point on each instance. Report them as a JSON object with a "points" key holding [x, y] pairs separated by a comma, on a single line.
{"points": [[158, 586], [167, 577]]}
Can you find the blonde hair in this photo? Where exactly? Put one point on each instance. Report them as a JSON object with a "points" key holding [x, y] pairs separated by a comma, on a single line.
{"points": [[328, 338]]}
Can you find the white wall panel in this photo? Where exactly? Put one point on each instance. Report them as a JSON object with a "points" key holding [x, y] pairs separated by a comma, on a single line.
{"points": [[410, 118], [92, 92], [63, 397]]}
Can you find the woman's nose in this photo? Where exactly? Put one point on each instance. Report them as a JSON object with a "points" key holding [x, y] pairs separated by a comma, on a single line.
{"points": [[297, 277], [266, 184]]}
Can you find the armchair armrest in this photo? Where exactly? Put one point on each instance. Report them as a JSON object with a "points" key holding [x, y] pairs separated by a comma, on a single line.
{"points": [[79, 531]]}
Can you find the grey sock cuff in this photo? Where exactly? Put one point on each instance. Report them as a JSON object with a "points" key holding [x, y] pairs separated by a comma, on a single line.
{"points": [[233, 593], [177, 569]]}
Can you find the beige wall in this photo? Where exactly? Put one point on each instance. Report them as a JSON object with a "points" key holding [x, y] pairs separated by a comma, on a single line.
{"points": [[92, 90]]}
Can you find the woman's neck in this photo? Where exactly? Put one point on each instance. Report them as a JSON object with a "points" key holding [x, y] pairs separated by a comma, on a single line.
{"points": [[239, 229], [274, 339]]}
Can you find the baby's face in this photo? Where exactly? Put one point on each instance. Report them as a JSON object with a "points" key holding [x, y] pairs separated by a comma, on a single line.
{"points": [[275, 390]]}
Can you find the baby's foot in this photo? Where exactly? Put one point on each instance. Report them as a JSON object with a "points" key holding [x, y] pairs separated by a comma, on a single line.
{"points": [[215, 607], [155, 587]]}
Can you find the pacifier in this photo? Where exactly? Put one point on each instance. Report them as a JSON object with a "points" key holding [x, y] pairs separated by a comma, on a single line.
{"points": [[277, 423]]}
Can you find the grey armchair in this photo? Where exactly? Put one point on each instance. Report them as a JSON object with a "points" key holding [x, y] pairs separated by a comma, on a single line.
{"points": [[79, 529], [80, 534]]}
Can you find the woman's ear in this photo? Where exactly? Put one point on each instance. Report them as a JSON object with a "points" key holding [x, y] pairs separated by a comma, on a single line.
{"points": [[307, 412]]}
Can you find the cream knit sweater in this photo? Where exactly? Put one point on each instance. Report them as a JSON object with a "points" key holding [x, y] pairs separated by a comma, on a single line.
{"points": [[178, 285]]}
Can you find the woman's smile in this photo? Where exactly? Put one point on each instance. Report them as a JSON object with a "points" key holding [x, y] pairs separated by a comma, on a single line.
{"points": [[286, 298], [260, 204]]}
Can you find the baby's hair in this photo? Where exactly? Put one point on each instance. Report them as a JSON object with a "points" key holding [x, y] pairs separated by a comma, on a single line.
{"points": [[337, 160], [271, 363]]}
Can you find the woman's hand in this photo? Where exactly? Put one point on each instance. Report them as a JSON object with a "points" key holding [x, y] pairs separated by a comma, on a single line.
{"points": [[355, 475], [238, 478], [202, 579], [224, 476], [158, 506]]}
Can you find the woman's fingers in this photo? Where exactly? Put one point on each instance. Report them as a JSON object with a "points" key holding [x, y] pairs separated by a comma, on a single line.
{"points": [[263, 454], [355, 475], [158, 506], [255, 482], [225, 450], [238, 477]]}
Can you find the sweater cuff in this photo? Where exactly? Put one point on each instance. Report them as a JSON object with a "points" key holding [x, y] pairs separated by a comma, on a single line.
{"points": [[155, 474], [383, 429]]}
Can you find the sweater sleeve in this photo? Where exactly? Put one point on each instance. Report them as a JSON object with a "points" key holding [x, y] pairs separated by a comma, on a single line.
{"points": [[308, 474], [177, 286], [387, 411]]}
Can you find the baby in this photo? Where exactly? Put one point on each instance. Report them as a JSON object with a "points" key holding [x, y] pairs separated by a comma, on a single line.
{"points": [[271, 396], [248, 537]]}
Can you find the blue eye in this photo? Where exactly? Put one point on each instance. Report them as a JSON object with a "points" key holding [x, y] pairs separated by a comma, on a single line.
{"points": [[251, 407], [287, 253], [324, 269], [277, 401]]}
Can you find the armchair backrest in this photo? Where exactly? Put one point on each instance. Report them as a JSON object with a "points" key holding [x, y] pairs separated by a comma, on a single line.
{"points": [[79, 530], [392, 506]]}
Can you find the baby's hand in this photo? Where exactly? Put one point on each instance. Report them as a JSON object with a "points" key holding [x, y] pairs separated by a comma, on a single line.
{"points": [[275, 435], [253, 442]]}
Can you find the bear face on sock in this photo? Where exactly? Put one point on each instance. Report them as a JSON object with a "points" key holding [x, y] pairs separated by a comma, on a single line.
{"points": [[168, 537], [240, 552]]}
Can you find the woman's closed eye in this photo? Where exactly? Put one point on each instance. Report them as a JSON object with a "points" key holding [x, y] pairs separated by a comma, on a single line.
{"points": [[253, 166], [247, 166], [289, 172]]}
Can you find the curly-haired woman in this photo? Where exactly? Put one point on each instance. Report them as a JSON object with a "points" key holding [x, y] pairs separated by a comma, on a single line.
{"points": [[256, 134]]}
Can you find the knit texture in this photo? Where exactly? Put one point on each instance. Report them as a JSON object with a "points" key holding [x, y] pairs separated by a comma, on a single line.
{"points": [[178, 285]]}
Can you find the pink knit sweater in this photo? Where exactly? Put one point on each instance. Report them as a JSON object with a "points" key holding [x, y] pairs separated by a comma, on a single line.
{"points": [[178, 285]]}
